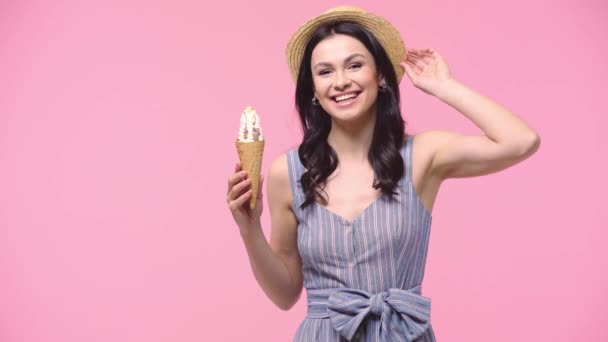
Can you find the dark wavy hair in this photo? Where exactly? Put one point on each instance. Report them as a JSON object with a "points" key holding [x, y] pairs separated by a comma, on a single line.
{"points": [[317, 156]]}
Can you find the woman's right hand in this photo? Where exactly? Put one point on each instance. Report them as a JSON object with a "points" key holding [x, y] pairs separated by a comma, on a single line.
{"points": [[238, 195]]}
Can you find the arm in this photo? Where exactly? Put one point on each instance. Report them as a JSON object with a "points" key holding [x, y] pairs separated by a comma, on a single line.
{"points": [[277, 266], [507, 140]]}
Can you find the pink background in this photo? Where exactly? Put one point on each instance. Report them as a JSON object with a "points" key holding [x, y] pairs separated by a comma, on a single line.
{"points": [[117, 129]]}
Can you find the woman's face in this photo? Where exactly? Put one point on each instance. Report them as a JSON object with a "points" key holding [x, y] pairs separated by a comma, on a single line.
{"points": [[344, 76]]}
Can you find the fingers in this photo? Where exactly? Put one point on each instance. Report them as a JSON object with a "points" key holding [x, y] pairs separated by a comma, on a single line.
{"points": [[426, 55], [236, 190], [422, 51], [418, 59], [238, 176], [414, 69], [409, 69], [237, 184], [240, 201]]}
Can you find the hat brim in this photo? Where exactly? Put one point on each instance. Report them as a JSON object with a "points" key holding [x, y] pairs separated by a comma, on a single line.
{"points": [[384, 31]]}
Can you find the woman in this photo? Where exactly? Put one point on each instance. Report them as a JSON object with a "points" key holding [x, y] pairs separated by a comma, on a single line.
{"points": [[353, 228]]}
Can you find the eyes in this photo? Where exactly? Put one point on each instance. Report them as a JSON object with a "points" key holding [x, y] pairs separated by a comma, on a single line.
{"points": [[353, 66]]}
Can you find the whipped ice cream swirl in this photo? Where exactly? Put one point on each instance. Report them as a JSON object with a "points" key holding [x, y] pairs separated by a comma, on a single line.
{"points": [[250, 129]]}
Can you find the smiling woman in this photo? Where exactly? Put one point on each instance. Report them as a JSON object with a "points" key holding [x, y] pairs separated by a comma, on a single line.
{"points": [[344, 60], [354, 227]]}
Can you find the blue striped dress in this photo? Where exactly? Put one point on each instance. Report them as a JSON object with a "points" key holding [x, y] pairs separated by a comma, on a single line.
{"points": [[363, 276]]}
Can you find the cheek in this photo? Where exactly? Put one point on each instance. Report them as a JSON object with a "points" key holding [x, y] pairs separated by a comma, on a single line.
{"points": [[372, 95], [371, 87], [320, 85], [366, 79]]}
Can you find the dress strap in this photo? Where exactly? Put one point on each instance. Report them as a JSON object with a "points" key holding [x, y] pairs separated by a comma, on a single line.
{"points": [[406, 153], [296, 169]]}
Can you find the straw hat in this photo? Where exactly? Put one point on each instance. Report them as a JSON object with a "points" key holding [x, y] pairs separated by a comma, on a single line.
{"points": [[386, 34]]}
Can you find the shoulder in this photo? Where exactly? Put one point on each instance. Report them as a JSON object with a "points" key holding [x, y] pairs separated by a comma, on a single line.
{"points": [[278, 181], [425, 146], [279, 169], [435, 135]]}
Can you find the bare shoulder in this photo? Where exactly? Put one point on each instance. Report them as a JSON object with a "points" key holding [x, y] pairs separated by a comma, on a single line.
{"points": [[283, 237], [424, 148], [279, 188], [278, 179], [427, 145], [433, 135]]}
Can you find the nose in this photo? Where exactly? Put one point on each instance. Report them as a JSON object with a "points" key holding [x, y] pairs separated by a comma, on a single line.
{"points": [[342, 80]]}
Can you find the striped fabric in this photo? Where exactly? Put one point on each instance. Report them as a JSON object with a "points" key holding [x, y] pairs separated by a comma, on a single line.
{"points": [[363, 276]]}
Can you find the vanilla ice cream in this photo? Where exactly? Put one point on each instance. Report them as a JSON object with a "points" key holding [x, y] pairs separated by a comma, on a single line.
{"points": [[251, 129]]}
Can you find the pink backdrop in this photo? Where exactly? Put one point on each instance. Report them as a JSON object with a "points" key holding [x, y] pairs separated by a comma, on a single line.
{"points": [[117, 128]]}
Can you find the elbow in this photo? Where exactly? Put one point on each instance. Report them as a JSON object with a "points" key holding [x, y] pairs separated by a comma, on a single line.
{"points": [[530, 146], [289, 302], [533, 144], [285, 306]]}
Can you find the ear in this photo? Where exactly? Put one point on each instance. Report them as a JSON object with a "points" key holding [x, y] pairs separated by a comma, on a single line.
{"points": [[314, 91], [381, 81]]}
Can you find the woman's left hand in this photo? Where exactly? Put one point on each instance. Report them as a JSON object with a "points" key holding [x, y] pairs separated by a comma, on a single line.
{"points": [[427, 70]]}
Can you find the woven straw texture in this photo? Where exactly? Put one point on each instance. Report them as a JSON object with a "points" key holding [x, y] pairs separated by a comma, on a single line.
{"points": [[386, 34]]}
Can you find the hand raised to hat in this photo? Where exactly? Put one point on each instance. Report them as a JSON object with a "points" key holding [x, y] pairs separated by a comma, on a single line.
{"points": [[427, 70]]}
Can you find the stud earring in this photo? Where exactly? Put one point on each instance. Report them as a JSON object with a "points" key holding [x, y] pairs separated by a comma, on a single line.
{"points": [[315, 102]]}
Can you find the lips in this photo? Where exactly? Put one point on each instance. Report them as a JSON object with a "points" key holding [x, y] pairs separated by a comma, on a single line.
{"points": [[345, 100], [345, 97]]}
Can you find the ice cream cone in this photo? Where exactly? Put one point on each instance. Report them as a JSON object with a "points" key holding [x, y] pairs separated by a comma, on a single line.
{"points": [[250, 154]]}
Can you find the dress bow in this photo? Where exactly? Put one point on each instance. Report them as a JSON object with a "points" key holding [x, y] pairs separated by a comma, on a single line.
{"points": [[404, 314]]}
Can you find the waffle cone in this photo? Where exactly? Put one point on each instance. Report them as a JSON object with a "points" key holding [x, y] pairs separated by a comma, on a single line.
{"points": [[250, 154]]}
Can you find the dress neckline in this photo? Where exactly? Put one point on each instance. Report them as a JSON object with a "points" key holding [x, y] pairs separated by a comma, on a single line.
{"points": [[356, 217]]}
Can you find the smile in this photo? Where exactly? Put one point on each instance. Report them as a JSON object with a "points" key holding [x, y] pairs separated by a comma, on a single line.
{"points": [[345, 99]]}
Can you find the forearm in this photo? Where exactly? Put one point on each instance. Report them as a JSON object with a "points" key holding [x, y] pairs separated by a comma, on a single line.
{"points": [[269, 270], [497, 122]]}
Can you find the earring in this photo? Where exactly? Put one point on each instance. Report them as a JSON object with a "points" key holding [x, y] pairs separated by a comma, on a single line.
{"points": [[315, 102], [382, 88]]}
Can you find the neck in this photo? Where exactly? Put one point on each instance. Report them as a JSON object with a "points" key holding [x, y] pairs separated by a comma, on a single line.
{"points": [[351, 140]]}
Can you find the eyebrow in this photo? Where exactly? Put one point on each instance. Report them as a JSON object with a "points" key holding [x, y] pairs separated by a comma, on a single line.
{"points": [[348, 59]]}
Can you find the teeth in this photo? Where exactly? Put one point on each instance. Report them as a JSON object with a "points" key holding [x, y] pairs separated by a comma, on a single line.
{"points": [[345, 97]]}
